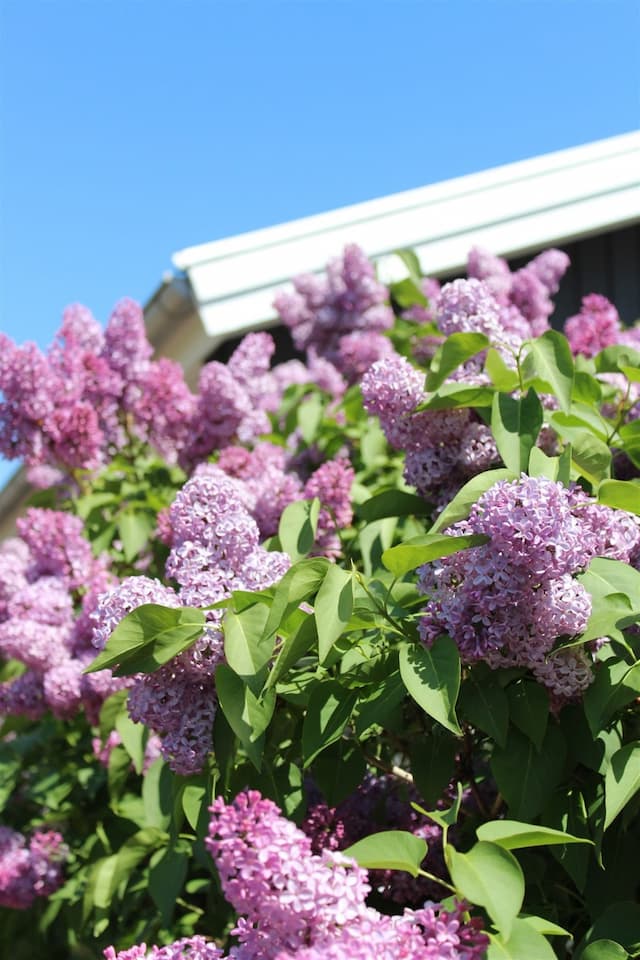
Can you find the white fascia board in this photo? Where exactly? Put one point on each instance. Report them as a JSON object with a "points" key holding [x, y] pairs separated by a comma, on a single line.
{"points": [[509, 209]]}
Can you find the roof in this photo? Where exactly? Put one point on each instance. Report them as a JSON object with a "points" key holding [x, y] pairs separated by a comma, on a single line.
{"points": [[511, 210]]}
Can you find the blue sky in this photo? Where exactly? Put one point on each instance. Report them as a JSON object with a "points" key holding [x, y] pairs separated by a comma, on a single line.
{"points": [[132, 128]]}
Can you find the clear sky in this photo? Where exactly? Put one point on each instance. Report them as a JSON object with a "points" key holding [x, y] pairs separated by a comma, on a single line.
{"points": [[133, 128]]}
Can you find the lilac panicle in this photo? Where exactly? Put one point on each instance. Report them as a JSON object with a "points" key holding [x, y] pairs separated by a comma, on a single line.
{"points": [[29, 870], [509, 601], [331, 483], [348, 298]]}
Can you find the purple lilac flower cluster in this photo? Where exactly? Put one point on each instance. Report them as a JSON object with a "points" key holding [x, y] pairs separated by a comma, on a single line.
{"points": [[443, 447], [339, 316], [380, 803], [68, 407], [331, 483], [270, 486], [292, 902], [524, 297], [187, 948], [508, 601], [215, 549], [75, 406], [49, 586], [29, 870], [597, 326]]}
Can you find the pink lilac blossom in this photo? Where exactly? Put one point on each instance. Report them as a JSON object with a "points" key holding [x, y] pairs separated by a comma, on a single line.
{"points": [[348, 298], [265, 477], [270, 877], [391, 389], [24, 696], [187, 948], [47, 603], [509, 601], [165, 409], [442, 447], [358, 351], [596, 326], [524, 296], [29, 870], [57, 546], [331, 483]]}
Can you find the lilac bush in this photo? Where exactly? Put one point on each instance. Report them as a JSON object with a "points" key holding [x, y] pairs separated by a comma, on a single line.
{"points": [[300, 663]]}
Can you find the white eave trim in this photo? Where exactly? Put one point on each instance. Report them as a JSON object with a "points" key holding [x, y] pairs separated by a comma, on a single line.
{"points": [[511, 209]]}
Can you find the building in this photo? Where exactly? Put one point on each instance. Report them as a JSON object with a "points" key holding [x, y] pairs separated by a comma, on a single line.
{"points": [[585, 200]]}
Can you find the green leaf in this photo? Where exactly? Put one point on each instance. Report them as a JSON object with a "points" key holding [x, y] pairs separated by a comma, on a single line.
{"points": [[245, 646], [545, 927], [529, 709], [460, 507], [622, 780], [412, 262], [295, 645], [309, 417], [299, 583], [432, 677], [484, 703], [389, 850], [458, 393], [135, 528], [339, 770], [432, 763], [378, 706], [455, 350], [617, 683], [247, 715], [513, 835], [503, 378], [550, 363], [166, 878], [621, 494], [148, 637], [591, 457], [524, 943], [407, 293], [157, 795], [426, 548], [604, 950], [194, 797], [10, 772], [330, 707], [491, 877], [608, 582], [393, 503], [528, 783], [620, 921], [333, 608], [540, 465], [515, 424], [581, 420], [612, 359], [134, 738], [297, 528]]}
